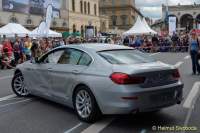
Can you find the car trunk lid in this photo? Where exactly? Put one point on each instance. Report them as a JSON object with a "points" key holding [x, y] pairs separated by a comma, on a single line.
{"points": [[155, 73]]}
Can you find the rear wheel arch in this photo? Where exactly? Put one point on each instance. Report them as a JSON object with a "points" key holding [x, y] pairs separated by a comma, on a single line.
{"points": [[17, 71], [78, 86], [84, 85], [95, 111], [19, 88]]}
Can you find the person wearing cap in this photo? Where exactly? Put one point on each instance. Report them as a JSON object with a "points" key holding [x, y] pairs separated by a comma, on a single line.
{"points": [[194, 51]]}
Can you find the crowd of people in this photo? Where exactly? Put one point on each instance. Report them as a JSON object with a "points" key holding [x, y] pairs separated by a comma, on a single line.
{"points": [[20, 49], [175, 43]]}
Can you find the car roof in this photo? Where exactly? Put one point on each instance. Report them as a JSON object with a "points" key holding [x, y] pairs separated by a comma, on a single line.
{"points": [[97, 46]]}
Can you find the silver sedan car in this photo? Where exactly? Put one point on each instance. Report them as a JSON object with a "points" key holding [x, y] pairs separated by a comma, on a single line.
{"points": [[97, 79]]}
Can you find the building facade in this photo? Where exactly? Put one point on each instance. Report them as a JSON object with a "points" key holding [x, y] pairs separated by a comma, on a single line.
{"points": [[69, 15], [85, 13], [187, 16], [122, 13], [10, 12]]}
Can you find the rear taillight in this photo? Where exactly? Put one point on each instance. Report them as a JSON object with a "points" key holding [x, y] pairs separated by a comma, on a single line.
{"points": [[122, 78], [176, 74]]}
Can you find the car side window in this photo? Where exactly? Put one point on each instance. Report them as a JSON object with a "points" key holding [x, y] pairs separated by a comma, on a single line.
{"points": [[85, 60], [53, 57], [70, 56]]}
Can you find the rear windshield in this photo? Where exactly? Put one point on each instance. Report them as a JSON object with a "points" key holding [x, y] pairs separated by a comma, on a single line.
{"points": [[125, 56]]}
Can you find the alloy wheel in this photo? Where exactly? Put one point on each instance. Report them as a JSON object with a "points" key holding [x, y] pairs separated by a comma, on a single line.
{"points": [[83, 104], [19, 86]]}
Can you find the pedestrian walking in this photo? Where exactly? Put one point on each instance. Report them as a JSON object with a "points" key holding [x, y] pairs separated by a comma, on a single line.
{"points": [[194, 51]]}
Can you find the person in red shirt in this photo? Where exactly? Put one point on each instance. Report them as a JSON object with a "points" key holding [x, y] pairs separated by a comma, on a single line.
{"points": [[1, 53], [7, 45]]}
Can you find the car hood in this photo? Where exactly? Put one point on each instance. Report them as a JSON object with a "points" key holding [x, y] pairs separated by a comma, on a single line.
{"points": [[142, 68]]}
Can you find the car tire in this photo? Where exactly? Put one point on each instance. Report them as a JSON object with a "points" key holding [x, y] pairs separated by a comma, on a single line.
{"points": [[88, 103], [18, 86]]}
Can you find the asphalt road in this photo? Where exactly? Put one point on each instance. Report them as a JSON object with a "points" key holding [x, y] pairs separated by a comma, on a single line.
{"points": [[36, 115]]}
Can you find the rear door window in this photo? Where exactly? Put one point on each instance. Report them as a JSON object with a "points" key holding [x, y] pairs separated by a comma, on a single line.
{"points": [[53, 57], [70, 56], [85, 60]]}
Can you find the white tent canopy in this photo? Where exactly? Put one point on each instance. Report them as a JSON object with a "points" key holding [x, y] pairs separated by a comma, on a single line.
{"points": [[139, 28], [51, 33], [12, 28], [147, 26]]}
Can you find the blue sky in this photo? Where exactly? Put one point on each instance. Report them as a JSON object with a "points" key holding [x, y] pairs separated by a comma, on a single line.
{"points": [[153, 8]]}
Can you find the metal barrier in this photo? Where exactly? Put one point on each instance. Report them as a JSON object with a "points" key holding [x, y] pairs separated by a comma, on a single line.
{"points": [[164, 49]]}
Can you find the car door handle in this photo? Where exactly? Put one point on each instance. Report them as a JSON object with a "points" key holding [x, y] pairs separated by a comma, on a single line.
{"points": [[75, 72]]}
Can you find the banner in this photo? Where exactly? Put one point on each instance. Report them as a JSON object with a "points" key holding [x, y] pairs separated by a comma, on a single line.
{"points": [[37, 7], [49, 15], [172, 25], [89, 32], [199, 26], [41, 32]]}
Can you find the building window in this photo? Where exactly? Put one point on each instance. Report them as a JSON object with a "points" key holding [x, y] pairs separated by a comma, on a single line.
{"points": [[54, 23], [73, 5], [29, 21], [114, 20], [88, 8], [95, 9], [103, 25], [82, 31], [85, 7], [74, 28], [133, 17], [124, 19], [103, 11], [64, 24], [81, 6], [95, 31], [13, 20]]}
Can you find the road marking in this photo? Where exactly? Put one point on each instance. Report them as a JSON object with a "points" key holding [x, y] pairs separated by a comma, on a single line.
{"points": [[7, 97], [97, 127], [72, 129], [192, 96], [5, 77], [186, 122], [191, 101], [178, 64], [187, 57], [1, 106], [154, 54]]}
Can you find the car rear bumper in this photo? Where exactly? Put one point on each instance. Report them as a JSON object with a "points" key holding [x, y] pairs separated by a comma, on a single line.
{"points": [[143, 101]]}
